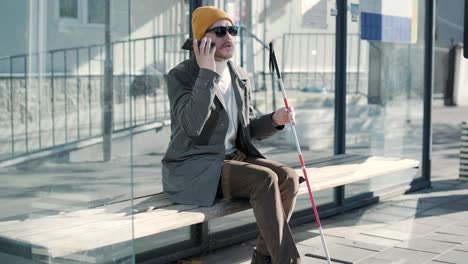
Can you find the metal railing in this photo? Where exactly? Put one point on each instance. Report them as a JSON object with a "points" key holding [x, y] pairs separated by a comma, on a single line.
{"points": [[308, 62], [54, 98]]}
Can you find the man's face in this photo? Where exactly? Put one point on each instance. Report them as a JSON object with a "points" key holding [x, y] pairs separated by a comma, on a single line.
{"points": [[224, 44]]}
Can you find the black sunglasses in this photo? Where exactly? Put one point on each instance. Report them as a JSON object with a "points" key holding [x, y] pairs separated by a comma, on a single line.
{"points": [[221, 31]]}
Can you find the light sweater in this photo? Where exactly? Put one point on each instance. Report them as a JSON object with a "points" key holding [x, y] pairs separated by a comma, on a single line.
{"points": [[225, 86]]}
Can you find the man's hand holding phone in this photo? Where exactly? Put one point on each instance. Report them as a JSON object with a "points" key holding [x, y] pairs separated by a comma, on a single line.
{"points": [[204, 54]]}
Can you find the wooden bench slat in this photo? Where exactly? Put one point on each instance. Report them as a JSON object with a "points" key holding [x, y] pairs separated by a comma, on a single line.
{"points": [[364, 172]]}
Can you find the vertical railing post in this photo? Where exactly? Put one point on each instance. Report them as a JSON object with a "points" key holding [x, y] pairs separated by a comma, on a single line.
{"points": [[101, 82], [78, 93], [358, 77], [124, 94], [39, 96], [52, 82], [26, 103], [316, 73], [145, 82], [12, 108], [108, 92], [66, 93], [242, 46], [89, 91], [300, 80], [154, 93], [132, 80], [165, 70]]}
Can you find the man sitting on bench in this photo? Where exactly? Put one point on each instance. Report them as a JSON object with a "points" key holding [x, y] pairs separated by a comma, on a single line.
{"points": [[210, 153]]}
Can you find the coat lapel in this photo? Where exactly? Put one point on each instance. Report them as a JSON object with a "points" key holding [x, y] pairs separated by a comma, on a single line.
{"points": [[239, 84], [220, 96]]}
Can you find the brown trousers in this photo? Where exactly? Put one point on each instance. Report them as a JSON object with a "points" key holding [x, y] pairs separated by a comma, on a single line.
{"points": [[271, 188]]}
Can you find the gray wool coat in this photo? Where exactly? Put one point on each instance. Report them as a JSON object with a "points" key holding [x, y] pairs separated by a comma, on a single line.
{"points": [[191, 167]]}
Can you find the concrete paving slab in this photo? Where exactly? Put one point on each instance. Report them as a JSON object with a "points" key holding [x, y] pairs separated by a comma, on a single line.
{"points": [[446, 238], [445, 212], [379, 241], [314, 240], [241, 253], [410, 226], [462, 222], [427, 245], [343, 232], [381, 218], [390, 234], [399, 211], [344, 252], [376, 261], [304, 249], [362, 245], [400, 255], [348, 227], [454, 230], [419, 204], [351, 222], [463, 247], [441, 185], [317, 242], [436, 198], [436, 221], [457, 206], [453, 256], [370, 226]]}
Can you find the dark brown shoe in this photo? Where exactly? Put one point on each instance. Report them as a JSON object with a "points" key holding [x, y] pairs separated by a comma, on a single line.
{"points": [[259, 258]]}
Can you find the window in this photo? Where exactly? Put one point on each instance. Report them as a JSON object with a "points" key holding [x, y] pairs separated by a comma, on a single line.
{"points": [[96, 11], [69, 9], [82, 12]]}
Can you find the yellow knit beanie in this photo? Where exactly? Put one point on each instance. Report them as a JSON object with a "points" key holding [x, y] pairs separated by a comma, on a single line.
{"points": [[204, 17]]}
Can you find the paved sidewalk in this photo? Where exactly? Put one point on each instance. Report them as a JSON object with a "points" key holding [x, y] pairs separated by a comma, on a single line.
{"points": [[428, 226]]}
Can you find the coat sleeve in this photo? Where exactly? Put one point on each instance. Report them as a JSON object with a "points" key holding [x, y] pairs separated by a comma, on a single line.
{"points": [[191, 103]]}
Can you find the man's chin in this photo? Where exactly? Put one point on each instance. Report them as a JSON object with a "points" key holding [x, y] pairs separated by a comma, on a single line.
{"points": [[224, 56]]}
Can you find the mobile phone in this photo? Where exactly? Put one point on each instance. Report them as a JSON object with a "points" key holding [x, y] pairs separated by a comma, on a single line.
{"points": [[188, 44]]}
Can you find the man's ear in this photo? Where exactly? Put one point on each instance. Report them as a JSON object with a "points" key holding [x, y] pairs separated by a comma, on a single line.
{"points": [[188, 44]]}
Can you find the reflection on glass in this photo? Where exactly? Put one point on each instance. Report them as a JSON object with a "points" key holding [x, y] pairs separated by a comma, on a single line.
{"points": [[231, 221], [321, 197], [61, 203], [385, 89]]}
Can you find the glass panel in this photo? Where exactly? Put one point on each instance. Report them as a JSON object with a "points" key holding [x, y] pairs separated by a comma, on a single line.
{"points": [[142, 61], [320, 197], [304, 41], [96, 11], [62, 200], [385, 85], [69, 8]]}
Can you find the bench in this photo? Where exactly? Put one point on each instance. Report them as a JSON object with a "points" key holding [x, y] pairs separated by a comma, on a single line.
{"points": [[75, 234]]}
